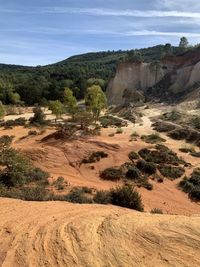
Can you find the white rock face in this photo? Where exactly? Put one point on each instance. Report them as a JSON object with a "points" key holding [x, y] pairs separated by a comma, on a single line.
{"points": [[140, 76]]}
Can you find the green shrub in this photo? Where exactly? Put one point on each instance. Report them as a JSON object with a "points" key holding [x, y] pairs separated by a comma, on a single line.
{"points": [[119, 131], [153, 138], [147, 167], [126, 196], [133, 173], [102, 197], [192, 185], [196, 122], [94, 157], [195, 193], [112, 174], [195, 154], [12, 123], [174, 115], [133, 155], [161, 154], [171, 172], [39, 116], [156, 211], [77, 195], [33, 133], [38, 193], [111, 121]]}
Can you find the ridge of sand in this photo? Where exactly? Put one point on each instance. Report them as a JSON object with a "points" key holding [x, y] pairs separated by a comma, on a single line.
{"points": [[63, 234]]}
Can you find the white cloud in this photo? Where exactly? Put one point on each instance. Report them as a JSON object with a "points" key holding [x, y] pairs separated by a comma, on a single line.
{"points": [[180, 5], [126, 13]]}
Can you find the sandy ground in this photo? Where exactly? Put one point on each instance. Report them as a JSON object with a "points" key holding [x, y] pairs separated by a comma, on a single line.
{"points": [[63, 159], [62, 234]]}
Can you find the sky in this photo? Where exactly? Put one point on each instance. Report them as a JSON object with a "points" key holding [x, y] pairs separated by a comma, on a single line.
{"points": [[41, 32]]}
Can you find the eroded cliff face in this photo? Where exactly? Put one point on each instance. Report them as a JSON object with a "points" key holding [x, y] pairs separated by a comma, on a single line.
{"points": [[174, 77], [135, 76]]}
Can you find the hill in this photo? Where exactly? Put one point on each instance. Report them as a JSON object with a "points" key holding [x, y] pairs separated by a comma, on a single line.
{"points": [[48, 82]]}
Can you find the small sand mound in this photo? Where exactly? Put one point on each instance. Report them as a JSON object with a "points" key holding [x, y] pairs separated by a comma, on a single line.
{"points": [[62, 234]]}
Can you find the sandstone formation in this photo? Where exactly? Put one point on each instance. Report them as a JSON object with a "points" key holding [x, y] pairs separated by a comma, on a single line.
{"points": [[168, 80], [63, 234]]}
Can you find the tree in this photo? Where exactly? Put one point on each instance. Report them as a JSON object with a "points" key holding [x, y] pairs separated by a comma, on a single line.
{"points": [[84, 118], [167, 50], [57, 108], [2, 110], [183, 43], [39, 116], [70, 102], [95, 100], [14, 98], [134, 56]]}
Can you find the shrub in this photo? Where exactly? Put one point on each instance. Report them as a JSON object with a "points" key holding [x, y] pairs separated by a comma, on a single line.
{"points": [[111, 121], [126, 196], [187, 150], [195, 154], [195, 193], [133, 173], [11, 123], [174, 115], [196, 122], [171, 172], [77, 195], [36, 174], [59, 183], [135, 134], [102, 197], [95, 156], [112, 174], [33, 133], [156, 211], [153, 138], [39, 116], [147, 167], [133, 155], [161, 154], [119, 131], [192, 185], [34, 194]]}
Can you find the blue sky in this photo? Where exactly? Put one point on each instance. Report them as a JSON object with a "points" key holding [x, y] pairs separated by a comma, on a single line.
{"points": [[40, 32]]}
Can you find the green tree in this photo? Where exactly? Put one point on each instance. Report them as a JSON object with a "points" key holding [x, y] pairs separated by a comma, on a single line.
{"points": [[183, 43], [57, 108], [95, 101], [2, 110], [39, 116], [70, 102], [14, 98]]}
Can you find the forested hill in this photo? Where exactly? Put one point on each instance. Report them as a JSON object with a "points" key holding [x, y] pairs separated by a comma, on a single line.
{"points": [[41, 83]]}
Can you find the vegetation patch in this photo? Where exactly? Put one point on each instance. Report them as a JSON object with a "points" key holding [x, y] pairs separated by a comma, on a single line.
{"points": [[153, 138], [95, 156], [111, 121], [192, 185], [171, 172], [112, 174], [133, 155], [161, 154], [156, 211], [147, 167]]}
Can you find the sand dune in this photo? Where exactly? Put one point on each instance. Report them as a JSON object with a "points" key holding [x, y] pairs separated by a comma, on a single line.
{"points": [[63, 234]]}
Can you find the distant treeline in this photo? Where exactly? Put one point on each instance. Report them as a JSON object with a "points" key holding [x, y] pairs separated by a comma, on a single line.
{"points": [[42, 83]]}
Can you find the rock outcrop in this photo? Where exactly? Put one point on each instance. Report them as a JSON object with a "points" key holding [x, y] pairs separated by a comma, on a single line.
{"points": [[169, 80]]}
